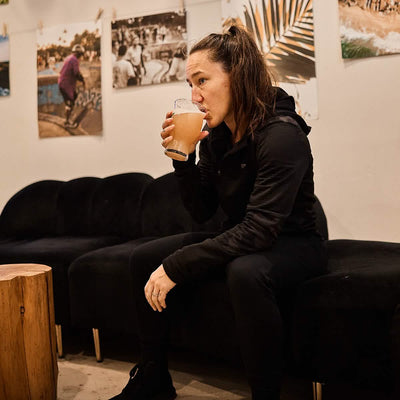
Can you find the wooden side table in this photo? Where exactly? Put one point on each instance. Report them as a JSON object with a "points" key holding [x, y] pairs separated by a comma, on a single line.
{"points": [[28, 361]]}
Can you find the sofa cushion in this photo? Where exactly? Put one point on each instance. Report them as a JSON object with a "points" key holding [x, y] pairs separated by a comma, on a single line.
{"points": [[116, 205], [74, 206], [100, 289], [32, 211], [163, 212], [57, 253], [361, 274]]}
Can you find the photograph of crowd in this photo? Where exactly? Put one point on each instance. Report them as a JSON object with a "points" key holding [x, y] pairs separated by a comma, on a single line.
{"points": [[69, 80], [148, 50], [369, 28], [4, 66]]}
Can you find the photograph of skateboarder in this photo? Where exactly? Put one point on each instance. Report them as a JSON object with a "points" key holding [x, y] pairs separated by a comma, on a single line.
{"points": [[67, 80]]}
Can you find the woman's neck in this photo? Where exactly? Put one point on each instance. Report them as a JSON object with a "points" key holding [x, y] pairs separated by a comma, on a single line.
{"points": [[237, 134]]}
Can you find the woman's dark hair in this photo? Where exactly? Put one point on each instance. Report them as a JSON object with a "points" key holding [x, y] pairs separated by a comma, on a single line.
{"points": [[253, 95]]}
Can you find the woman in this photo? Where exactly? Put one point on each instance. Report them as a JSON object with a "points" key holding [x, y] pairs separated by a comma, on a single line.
{"points": [[256, 163]]}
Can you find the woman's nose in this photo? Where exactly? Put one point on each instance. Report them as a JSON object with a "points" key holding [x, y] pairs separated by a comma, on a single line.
{"points": [[196, 95]]}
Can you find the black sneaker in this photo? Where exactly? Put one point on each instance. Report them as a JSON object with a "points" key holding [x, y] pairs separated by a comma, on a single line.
{"points": [[148, 382]]}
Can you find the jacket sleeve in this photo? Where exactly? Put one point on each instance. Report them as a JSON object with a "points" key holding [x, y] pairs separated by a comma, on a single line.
{"points": [[283, 156], [198, 193]]}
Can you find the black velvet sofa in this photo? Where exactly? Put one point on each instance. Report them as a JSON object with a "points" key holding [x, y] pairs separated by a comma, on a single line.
{"points": [[53, 222], [342, 327]]}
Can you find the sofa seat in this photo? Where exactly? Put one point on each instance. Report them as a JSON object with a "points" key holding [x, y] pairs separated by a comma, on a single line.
{"points": [[100, 288], [344, 319], [56, 252]]}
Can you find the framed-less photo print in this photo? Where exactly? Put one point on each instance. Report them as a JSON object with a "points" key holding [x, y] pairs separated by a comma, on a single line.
{"points": [[69, 80], [149, 49], [4, 66], [284, 32], [369, 28]]}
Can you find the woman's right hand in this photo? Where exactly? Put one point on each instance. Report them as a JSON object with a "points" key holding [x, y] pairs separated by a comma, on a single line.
{"points": [[167, 128]]}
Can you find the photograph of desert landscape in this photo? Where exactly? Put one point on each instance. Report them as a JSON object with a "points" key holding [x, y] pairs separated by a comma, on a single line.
{"points": [[369, 28]]}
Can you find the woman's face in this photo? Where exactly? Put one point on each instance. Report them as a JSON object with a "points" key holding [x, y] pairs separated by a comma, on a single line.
{"points": [[211, 88]]}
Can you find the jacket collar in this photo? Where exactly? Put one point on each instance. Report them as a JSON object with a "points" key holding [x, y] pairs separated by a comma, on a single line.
{"points": [[220, 139]]}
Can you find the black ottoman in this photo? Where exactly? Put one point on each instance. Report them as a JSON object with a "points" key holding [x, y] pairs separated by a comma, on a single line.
{"points": [[344, 326]]}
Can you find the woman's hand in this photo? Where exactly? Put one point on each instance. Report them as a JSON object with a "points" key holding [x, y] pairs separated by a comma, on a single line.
{"points": [[157, 288], [167, 129]]}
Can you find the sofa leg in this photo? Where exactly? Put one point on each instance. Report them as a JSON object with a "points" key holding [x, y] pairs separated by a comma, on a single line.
{"points": [[96, 339], [60, 350], [317, 391]]}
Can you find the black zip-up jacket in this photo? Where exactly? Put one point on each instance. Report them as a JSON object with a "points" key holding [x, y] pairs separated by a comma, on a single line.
{"points": [[263, 183]]}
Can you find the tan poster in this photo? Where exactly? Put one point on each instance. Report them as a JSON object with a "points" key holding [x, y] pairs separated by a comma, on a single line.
{"points": [[69, 80], [149, 49], [369, 28], [284, 31]]}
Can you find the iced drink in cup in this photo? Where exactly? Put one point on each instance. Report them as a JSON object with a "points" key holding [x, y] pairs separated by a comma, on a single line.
{"points": [[188, 121]]}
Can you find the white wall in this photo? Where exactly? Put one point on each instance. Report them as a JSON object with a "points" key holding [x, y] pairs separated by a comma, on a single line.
{"points": [[356, 140]]}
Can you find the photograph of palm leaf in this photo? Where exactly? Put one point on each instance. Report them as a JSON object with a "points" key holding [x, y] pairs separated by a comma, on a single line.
{"points": [[369, 28], [284, 31]]}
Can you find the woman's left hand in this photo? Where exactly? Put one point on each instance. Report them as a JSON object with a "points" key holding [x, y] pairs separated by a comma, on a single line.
{"points": [[157, 288]]}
